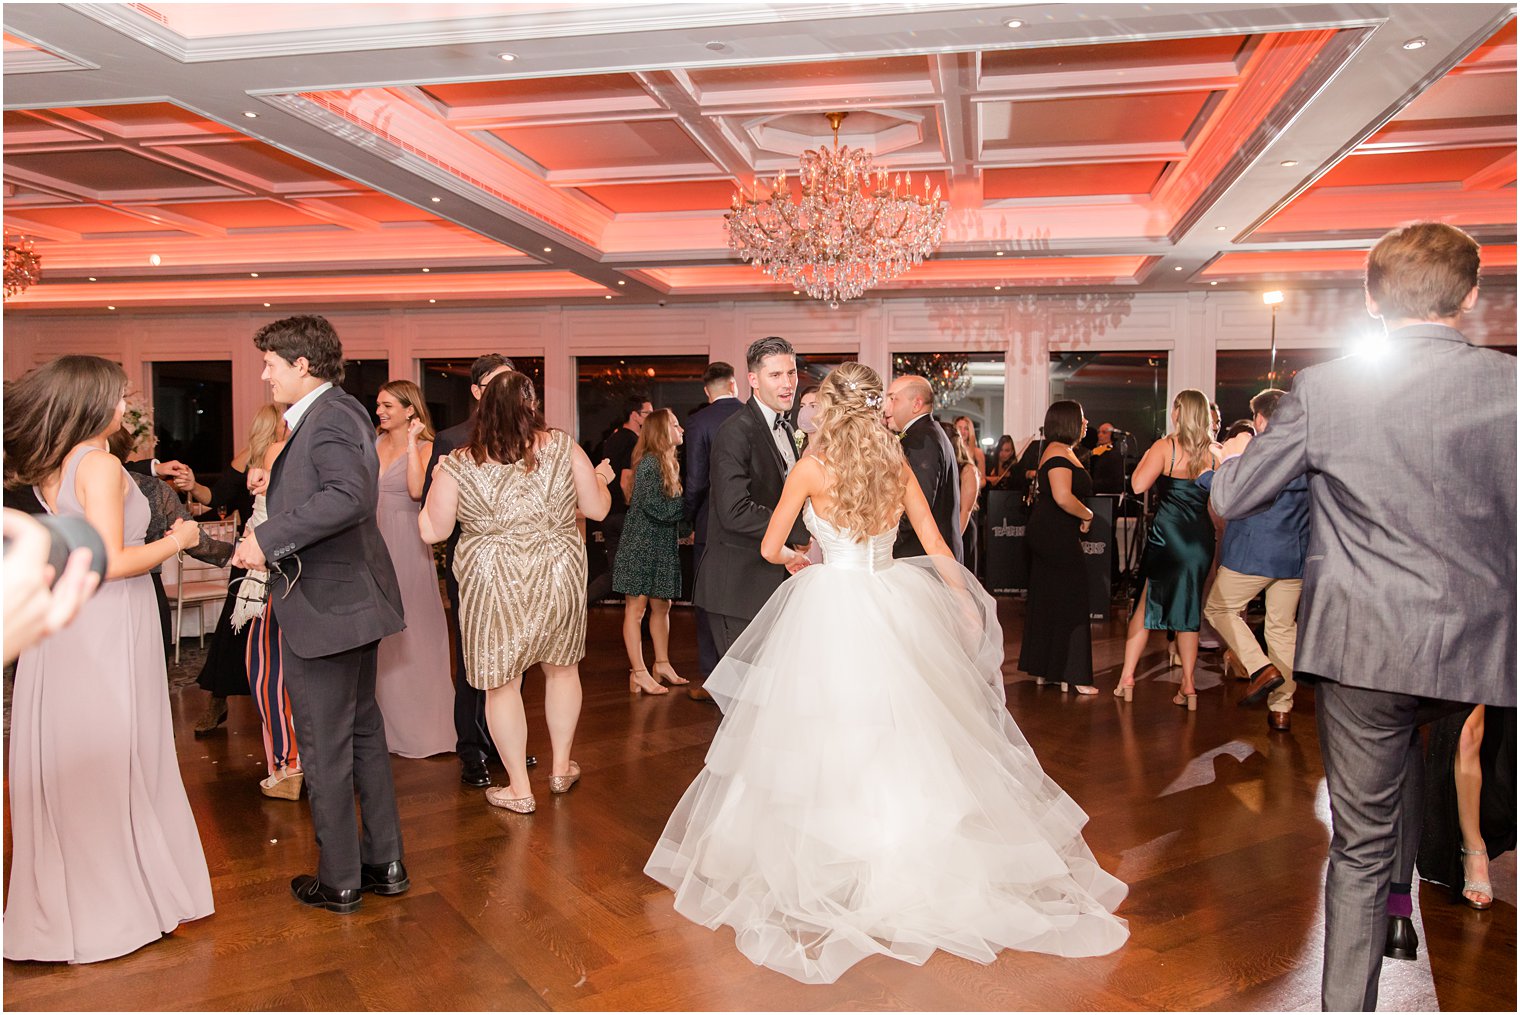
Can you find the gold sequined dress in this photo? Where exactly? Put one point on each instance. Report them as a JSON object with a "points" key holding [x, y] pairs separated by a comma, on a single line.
{"points": [[521, 564]]}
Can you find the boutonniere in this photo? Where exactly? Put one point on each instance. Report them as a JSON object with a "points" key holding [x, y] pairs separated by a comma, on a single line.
{"points": [[799, 438], [900, 435]]}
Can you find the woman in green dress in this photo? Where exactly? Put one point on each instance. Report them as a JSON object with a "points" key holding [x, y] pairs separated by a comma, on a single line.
{"points": [[1180, 546], [647, 570]]}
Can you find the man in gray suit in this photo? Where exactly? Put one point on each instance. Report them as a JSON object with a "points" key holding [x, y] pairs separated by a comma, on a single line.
{"points": [[334, 596], [1409, 585]]}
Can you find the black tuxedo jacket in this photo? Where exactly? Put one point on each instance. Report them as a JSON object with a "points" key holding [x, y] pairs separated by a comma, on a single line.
{"points": [[701, 428], [932, 459], [323, 491], [746, 476]]}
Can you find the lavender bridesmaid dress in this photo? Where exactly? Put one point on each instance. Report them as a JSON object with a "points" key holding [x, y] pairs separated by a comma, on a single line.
{"points": [[413, 683], [106, 854]]}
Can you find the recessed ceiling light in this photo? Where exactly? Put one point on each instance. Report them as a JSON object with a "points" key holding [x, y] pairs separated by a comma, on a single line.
{"points": [[997, 287], [436, 200], [110, 308], [155, 260], [796, 292], [508, 57], [1290, 162], [1177, 267], [998, 253], [250, 114], [426, 270], [621, 282], [717, 47], [1214, 282], [1014, 23], [253, 274], [1219, 229], [1416, 43], [548, 250], [266, 304], [432, 301], [92, 278]]}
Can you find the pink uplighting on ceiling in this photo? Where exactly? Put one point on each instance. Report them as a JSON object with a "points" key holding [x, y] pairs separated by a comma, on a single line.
{"points": [[1288, 264]]}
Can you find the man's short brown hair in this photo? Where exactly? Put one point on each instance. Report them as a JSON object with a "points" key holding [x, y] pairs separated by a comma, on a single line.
{"points": [[1422, 271]]}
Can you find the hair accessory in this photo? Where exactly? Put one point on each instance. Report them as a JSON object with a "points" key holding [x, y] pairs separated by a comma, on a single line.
{"points": [[873, 401], [852, 385]]}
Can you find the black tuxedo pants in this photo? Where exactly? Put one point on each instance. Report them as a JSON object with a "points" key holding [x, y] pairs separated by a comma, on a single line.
{"points": [[471, 737], [341, 737]]}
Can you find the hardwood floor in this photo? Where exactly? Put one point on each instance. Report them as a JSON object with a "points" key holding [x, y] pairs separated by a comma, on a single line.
{"points": [[1219, 828]]}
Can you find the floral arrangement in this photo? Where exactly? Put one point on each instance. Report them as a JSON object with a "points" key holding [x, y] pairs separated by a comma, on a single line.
{"points": [[138, 421]]}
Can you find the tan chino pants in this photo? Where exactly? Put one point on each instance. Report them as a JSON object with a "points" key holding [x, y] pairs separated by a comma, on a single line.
{"points": [[1230, 594]]}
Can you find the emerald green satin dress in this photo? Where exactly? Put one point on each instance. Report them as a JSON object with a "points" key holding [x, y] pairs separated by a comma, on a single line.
{"points": [[1177, 556]]}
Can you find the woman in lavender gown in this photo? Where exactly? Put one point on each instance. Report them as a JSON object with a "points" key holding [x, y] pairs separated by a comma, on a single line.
{"points": [[414, 683], [106, 855]]}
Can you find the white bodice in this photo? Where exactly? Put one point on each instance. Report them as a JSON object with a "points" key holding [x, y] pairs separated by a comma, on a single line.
{"points": [[842, 550]]}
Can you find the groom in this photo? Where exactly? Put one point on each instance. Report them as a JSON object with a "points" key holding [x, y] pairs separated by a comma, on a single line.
{"points": [[334, 596], [751, 456]]}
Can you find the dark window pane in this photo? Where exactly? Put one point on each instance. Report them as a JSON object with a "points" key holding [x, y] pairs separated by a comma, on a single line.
{"points": [[1127, 389], [1240, 373], [446, 386], [602, 383], [362, 379], [192, 414]]}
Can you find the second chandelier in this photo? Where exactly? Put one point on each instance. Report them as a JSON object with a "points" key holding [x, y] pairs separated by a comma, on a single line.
{"points": [[854, 227]]}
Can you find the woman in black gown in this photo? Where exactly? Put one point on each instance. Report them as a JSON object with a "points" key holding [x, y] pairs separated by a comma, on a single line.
{"points": [[1057, 644]]}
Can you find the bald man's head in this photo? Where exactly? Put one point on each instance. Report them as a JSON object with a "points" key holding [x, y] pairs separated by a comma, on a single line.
{"points": [[908, 398]]}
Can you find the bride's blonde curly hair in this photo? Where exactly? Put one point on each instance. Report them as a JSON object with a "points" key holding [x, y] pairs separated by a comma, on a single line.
{"points": [[863, 456]]}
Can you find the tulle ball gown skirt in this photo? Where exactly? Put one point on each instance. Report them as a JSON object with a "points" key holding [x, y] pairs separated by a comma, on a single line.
{"points": [[867, 792]]}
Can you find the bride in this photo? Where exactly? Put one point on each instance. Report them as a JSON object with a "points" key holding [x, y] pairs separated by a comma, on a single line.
{"points": [[867, 792]]}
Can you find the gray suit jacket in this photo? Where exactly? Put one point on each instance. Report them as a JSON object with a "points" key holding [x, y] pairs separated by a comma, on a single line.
{"points": [[323, 492], [1409, 584]]}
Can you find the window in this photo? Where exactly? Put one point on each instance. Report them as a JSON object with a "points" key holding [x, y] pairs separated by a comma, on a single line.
{"points": [[1240, 373], [362, 379], [446, 386], [192, 415], [965, 384], [604, 383], [1127, 389]]}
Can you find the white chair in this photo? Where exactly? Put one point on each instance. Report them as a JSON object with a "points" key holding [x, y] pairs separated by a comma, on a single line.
{"points": [[199, 584]]}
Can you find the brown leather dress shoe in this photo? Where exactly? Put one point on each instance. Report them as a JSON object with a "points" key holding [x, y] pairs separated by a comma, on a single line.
{"points": [[1267, 680], [1280, 721], [700, 695]]}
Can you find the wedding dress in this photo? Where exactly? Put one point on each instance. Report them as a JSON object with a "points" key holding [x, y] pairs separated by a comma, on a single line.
{"points": [[867, 792]]}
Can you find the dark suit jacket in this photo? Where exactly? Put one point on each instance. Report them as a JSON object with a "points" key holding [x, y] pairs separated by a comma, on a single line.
{"points": [[1409, 585], [701, 428], [932, 459], [322, 496], [747, 474]]}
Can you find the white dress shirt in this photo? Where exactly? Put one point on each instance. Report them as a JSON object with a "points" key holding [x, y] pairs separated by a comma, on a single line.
{"points": [[295, 412], [783, 442]]}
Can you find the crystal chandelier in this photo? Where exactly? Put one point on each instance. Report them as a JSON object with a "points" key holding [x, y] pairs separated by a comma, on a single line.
{"points": [[855, 227], [949, 375], [23, 266]]}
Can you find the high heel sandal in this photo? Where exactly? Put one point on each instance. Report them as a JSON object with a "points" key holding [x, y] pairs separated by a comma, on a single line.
{"points": [[669, 674], [1476, 887], [1233, 667], [496, 796], [1190, 700], [1125, 691], [283, 785], [1084, 689], [562, 783], [648, 685]]}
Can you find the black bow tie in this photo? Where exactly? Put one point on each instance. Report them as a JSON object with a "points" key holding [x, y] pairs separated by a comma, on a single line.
{"points": [[783, 424]]}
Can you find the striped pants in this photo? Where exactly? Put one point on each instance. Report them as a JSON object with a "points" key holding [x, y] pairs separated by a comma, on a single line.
{"points": [[267, 682]]}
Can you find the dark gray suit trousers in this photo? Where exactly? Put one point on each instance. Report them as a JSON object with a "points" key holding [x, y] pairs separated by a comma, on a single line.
{"points": [[326, 695], [1374, 773]]}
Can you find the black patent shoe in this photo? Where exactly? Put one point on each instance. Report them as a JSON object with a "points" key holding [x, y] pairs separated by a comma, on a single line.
{"points": [[473, 772], [311, 892], [384, 878], [1402, 942]]}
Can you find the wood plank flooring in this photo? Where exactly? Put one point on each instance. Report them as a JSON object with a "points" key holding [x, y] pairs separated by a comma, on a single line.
{"points": [[1219, 828]]}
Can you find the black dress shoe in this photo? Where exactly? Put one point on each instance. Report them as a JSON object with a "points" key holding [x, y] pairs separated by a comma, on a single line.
{"points": [[1402, 942], [472, 772], [384, 878], [1264, 682], [311, 892]]}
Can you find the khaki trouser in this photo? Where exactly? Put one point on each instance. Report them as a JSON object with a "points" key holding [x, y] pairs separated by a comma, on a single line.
{"points": [[1230, 594]]}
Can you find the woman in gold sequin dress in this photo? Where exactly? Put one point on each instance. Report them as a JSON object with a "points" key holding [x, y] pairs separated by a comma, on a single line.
{"points": [[514, 490]]}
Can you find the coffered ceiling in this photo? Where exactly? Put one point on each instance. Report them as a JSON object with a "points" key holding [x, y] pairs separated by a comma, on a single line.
{"points": [[239, 154]]}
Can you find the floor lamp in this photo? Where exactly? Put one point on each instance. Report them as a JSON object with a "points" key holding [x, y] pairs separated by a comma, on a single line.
{"points": [[1272, 299]]}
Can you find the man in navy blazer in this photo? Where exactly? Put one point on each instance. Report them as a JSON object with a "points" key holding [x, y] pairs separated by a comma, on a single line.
{"points": [[334, 595], [1264, 551], [701, 427]]}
